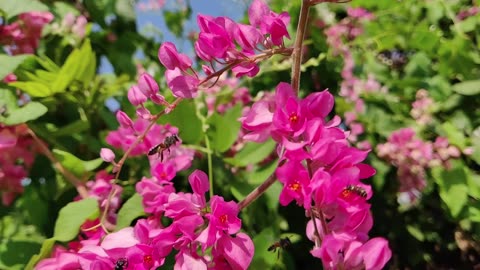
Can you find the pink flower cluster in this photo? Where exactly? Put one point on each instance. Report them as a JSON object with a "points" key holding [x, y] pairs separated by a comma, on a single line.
{"points": [[225, 85], [205, 235], [422, 107], [227, 43], [100, 189], [177, 158], [338, 37], [23, 35], [18, 154], [71, 24], [412, 156], [322, 173]]}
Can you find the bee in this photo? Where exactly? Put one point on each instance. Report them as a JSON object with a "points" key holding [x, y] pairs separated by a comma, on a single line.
{"points": [[121, 264], [279, 245], [395, 59], [161, 147], [357, 190]]}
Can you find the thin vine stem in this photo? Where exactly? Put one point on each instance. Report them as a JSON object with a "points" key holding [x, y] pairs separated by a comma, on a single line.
{"points": [[298, 46], [77, 183]]}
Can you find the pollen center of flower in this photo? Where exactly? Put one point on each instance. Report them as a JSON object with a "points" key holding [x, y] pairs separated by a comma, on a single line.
{"points": [[295, 186], [293, 117], [346, 193], [223, 218], [147, 259]]}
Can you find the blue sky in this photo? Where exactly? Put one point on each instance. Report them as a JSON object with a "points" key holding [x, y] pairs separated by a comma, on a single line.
{"points": [[231, 8]]}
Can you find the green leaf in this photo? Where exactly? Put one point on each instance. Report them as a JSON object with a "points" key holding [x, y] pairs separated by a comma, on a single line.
{"points": [[416, 232], [10, 63], [91, 165], [13, 8], [8, 103], [79, 66], [262, 173], [45, 251], [34, 89], [240, 189], [72, 128], [185, 118], [72, 216], [474, 213], [174, 21], [467, 88], [125, 9], [455, 136], [30, 111], [224, 128], [47, 64], [132, 209], [452, 186], [473, 183], [74, 164], [252, 153]]}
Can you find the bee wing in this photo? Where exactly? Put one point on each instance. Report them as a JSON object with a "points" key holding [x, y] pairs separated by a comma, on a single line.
{"points": [[154, 150]]}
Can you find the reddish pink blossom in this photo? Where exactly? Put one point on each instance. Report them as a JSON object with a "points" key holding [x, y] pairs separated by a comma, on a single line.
{"points": [[171, 59], [135, 96], [23, 35]]}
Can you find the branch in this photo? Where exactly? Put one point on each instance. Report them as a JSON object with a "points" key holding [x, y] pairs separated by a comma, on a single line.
{"points": [[298, 46], [77, 183], [257, 192]]}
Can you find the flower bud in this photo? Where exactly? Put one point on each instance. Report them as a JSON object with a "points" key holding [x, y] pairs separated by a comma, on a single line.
{"points": [[147, 85], [124, 120], [107, 155], [135, 96]]}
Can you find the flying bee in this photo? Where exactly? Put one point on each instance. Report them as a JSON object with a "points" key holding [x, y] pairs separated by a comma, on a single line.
{"points": [[279, 245], [121, 264], [161, 147], [357, 190], [395, 58]]}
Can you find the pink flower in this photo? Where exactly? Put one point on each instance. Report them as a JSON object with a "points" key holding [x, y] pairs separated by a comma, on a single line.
{"points": [[184, 86], [154, 194], [171, 59], [222, 219], [295, 180], [269, 22], [135, 96], [147, 85], [123, 119], [237, 252]]}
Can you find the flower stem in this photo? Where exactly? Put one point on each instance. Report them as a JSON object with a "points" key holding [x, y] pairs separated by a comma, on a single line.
{"points": [[210, 166], [77, 183], [257, 192], [298, 46]]}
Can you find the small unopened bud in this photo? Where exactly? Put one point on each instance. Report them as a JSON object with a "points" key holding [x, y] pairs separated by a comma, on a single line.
{"points": [[135, 96], [124, 120], [147, 85], [144, 113], [107, 155]]}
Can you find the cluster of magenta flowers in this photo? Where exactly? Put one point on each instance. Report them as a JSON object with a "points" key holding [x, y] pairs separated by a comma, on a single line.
{"points": [[23, 35], [318, 168], [322, 174], [18, 154], [339, 37], [223, 42], [422, 107], [412, 156], [204, 234]]}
